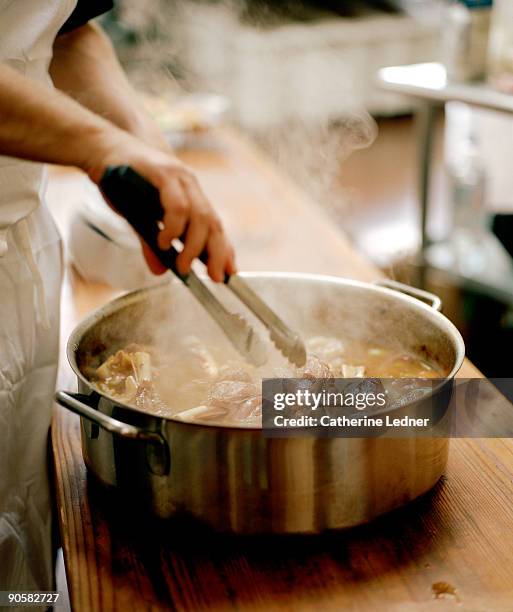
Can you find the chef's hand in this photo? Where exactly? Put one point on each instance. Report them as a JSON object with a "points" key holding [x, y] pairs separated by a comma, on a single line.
{"points": [[187, 212]]}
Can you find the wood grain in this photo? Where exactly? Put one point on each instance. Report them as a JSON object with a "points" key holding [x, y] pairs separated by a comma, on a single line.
{"points": [[461, 533]]}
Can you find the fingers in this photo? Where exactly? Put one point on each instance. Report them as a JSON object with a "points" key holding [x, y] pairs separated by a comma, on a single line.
{"points": [[203, 232], [194, 243], [151, 259], [188, 213], [231, 266], [176, 204], [220, 254], [198, 230]]}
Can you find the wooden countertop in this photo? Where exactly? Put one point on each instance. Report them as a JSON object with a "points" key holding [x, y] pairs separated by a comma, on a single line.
{"points": [[459, 536]]}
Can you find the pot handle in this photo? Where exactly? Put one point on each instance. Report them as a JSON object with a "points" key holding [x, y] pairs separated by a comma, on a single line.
{"points": [[76, 403], [425, 296]]}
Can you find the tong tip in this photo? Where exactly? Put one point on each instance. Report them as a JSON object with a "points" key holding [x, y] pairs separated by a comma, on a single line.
{"points": [[291, 346]]}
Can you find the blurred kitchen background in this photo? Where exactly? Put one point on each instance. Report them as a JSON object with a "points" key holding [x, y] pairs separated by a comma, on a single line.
{"points": [[303, 79]]}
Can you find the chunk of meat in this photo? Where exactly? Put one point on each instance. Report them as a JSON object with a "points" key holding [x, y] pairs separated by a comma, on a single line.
{"points": [[127, 375], [239, 400], [351, 371], [231, 391], [314, 368], [119, 365], [325, 348]]}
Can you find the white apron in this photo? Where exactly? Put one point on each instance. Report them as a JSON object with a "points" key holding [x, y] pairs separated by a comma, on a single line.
{"points": [[30, 279]]}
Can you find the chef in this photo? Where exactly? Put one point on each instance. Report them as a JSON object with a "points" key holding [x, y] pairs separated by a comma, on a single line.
{"points": [[87, 118]]}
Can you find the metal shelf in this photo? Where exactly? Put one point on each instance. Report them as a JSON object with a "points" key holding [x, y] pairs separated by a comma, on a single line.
{"points": [[428, 84]]}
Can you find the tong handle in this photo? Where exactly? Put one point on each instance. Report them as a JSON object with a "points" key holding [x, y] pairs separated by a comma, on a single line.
{"points": [[139, 202]]}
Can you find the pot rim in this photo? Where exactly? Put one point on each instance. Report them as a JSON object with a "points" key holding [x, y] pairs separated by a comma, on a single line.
{"points": [[133, 296]]}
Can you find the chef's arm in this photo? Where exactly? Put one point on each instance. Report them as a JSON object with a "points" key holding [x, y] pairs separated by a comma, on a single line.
{"points": [[41, 124], [85, 66]]}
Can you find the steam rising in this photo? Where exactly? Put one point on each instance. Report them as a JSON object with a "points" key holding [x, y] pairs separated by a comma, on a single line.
{"points": [[171, 47], [163, 316], [285, 87], [312, 154]]}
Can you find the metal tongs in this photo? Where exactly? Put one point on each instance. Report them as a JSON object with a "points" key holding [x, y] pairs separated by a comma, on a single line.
{"points": [[139, 202]]}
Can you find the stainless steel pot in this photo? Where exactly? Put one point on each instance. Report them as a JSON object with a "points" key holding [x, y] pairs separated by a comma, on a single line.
{"points": [[234, 478]]}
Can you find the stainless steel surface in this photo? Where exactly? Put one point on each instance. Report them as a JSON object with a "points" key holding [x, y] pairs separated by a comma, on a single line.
{"points": [[433, 300], [242, 336], [429, 85], [494, 279], [74, 403], [286, 340], [429, 82], [237, 480]]}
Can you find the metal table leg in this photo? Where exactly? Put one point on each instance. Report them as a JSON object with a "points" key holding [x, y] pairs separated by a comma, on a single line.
{"points": [[425, 116]]}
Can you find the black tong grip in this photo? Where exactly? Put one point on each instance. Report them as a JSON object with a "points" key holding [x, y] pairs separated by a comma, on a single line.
{"points": [[139, 202]]}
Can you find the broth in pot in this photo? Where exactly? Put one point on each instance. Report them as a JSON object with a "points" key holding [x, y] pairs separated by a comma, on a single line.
{"points": [[196, 383]]}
